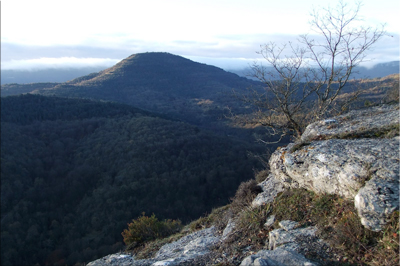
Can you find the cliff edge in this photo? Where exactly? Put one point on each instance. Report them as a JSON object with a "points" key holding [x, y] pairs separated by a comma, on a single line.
{"points": [[355, 155], [343, 171]]}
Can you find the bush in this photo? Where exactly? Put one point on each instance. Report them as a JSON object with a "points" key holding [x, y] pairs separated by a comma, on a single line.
{"points": [[144, 229]]}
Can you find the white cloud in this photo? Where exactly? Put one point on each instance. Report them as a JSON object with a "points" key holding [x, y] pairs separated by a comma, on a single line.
{"points": [[220, 31]]}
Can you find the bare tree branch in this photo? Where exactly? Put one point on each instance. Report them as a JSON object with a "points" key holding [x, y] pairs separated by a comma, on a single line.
{"points": [[306, 79]]}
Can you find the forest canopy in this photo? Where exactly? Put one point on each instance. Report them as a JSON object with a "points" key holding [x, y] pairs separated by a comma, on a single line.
{"points": [[74, 172]]}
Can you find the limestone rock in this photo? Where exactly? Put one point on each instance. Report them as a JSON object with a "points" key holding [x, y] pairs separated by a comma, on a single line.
{"points": [[228, 229], [279, 257], [286, 246], [354, 123], [114, 259], [288, 225], [183, 250], [364, 169], [279, 237], [270, 221], [377, 200], [270, 187], [336, 166], [190, 246]]}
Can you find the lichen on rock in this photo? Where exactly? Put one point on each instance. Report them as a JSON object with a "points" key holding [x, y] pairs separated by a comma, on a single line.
{"points": [[365, 169]]}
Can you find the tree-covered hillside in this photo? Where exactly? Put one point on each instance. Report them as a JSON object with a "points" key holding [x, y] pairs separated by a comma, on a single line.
{"points": [[16, 89], [163, 83], [75, 172]]}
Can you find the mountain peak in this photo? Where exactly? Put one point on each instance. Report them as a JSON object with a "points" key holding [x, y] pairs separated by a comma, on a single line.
{"points": [[163, 83], [146, 65]]}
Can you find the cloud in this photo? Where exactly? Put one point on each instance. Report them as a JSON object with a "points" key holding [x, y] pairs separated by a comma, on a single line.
{"points": [[225, 51]]}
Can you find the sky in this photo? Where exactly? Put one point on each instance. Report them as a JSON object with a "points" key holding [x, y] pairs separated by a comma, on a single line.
{"points": [[225, 33]]}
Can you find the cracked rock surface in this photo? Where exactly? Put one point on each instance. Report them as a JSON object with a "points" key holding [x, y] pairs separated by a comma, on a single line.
{"points": [[354, 123], [363, 169], [287, 246], [270, 188], [179, 252]]}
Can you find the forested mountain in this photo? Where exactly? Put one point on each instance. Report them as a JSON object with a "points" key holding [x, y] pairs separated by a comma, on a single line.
{"points": [[196, 93], [16, 89], [74, 172], [164, 83]]}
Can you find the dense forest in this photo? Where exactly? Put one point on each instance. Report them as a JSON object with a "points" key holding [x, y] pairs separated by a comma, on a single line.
{"points": [[74, 172]]}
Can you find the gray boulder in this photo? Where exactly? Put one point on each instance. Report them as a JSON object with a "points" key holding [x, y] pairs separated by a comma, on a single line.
{"points": [[338, 156], [114, 259], [270, 221], [228, 229], [288, 238], [270, 188], [378, 199], [288, 225], [336, 166], [286, 246], [179, 252], [355, 123], [278, 257]]}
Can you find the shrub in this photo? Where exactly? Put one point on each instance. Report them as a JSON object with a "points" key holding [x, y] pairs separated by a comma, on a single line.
{"points": [[146, 228]]}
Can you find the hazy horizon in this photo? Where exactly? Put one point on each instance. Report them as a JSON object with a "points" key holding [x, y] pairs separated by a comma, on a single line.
{"points": [[66, 73]]}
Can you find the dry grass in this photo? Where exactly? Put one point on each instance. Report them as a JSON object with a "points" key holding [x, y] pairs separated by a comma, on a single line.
{"points": [[149, 249], [335, 217], [340, 226], [261, 175], [387, 250], [218, 217], [244, 196]]}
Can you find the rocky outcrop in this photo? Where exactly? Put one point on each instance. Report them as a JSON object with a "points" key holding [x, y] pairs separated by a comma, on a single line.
{"points": [[270, 188], [287, 245], [370, 122], [355, 156], [179, 252], [339, 156], [278, 257]]}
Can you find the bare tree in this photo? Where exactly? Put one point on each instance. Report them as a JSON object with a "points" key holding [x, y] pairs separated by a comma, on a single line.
{"points": [[304, 80]]}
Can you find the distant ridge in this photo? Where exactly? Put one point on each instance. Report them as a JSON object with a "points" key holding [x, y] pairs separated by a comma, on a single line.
{"points": [[377, 71], [164, 83], [58, 75]]}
